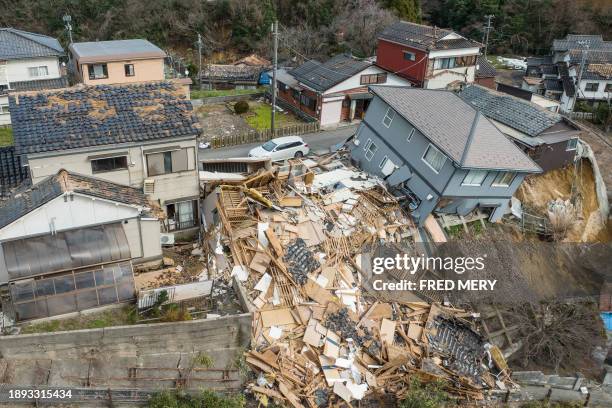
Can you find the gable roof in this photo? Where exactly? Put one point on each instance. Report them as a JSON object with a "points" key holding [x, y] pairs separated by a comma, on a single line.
{"points": [[456, 128], [322, 76], [116, 50], [99, 115], [56, 185], [578, 41], [253, 60], [17, 44], [485, 69], [516, 113], [425, 37]]}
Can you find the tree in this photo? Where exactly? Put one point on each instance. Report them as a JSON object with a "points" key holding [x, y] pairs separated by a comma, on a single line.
{"points": [[408, 10]]}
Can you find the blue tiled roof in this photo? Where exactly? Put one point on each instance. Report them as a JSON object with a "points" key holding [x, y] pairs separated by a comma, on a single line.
{"points": [[17, 44]]}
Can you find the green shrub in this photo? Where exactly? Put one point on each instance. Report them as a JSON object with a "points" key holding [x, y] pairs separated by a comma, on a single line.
{"points": [[207, 398], [430, 395], [241, 107]]}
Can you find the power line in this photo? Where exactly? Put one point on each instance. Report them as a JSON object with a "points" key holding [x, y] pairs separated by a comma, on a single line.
{"points": [[488, 29]]}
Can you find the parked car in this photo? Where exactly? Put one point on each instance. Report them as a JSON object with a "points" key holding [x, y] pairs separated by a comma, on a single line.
{"points": [[281, 148]]}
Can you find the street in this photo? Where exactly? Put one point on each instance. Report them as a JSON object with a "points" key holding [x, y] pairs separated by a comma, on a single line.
{"points": [[319, 142]]}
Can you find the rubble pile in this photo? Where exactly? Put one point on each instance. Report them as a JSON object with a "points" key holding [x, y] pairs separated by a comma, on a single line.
{"points": [[296, 236]]}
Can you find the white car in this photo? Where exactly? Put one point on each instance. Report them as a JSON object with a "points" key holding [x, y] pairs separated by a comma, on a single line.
{"points": [[281, 148]]}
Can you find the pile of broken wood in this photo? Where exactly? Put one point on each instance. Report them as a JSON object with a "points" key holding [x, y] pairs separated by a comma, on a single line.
{"points": [[296, 234]]}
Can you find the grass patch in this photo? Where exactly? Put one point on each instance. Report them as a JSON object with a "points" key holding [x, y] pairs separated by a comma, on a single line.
{"points": [[199, 94], [206, 398], [6, 136], [259, 114], [115, 317]]}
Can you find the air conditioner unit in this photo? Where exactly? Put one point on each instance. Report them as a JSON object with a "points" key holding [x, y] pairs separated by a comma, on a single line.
{"points": [[167, 239], [149, 186]]}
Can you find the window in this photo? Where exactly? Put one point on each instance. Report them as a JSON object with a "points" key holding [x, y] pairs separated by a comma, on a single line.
{"points": [[109, 164], [373, 79], [383, 162], [409, 56], [307, 101], [410, 134], [370, 151], [182, 215], [591, 87], [434, 158], [168, 162], [269, 146], [503, 179], [282, 86], [444, 63], [38, 71], [572, 144], [474, 178], [608, 87], [97, 71], [389, 115], [4, 109], [367, 145], [129, 70]]}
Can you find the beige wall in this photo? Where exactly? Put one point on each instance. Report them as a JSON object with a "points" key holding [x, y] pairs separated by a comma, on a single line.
{"points": [[167, 186], [144, 70]]}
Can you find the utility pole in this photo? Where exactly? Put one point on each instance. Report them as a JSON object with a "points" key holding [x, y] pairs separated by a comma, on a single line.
{"points": [[274, 67], [583, 55], [488, 28], [67, 20], [200, 59]]}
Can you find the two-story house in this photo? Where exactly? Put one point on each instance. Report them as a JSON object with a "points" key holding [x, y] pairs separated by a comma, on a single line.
{"points": [[429, 57], [28, 62], [334, 91], [140, 135], [439, 153], [117, 61]]}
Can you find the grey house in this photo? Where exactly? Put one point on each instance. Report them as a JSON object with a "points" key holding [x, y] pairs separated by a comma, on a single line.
{"points": [[439, 152]]}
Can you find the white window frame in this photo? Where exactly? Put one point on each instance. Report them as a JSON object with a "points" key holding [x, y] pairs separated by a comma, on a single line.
{"points": [[409, 138], [4, 109], [35, 72], [390, 115], [371, 151], [573, 141], [471, 173], [383, 162], [412, 56], [500, 175], [367, 145], [586, 85], [430, 146]]}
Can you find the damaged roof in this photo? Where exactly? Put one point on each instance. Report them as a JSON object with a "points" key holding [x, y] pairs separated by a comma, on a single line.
{"points": [[99, 115], [116, 50], [578, 41], [39, 85], [17, 44], [63, 182], [322, 76], [425, 37], [519, 114], [456, 128], [485, 69], [232, 72]]}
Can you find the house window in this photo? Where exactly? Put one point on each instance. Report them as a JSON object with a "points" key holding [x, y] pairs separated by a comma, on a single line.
{"points": [[591, 87], [97, 71], [572, 144], [168, 162], [503, 179], [410, 134], [608, 87], [371, 150], [383, 162], [389, 115], [444, 63], [129, 70], [308, 102], [434, 158], [182, 215], [4, 109], [36, 72], [409, 56], [282, 86], [373, 79], [474, 178], [109, 164]]}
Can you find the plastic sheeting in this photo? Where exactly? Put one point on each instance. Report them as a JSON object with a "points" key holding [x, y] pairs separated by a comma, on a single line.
{"points": [[65, 250]]}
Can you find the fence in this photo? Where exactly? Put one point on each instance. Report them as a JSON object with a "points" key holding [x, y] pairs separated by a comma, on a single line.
{"points": [[582, 115], [538, 225], [257, 136], [227, 98]]}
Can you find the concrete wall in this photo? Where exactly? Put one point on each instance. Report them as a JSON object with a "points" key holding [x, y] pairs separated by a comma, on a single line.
{"points": [[144, 70], [143, 237], [17, 70]]}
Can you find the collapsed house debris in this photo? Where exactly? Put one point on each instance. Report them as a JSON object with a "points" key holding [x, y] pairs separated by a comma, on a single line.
{"points": [[292, 237]]}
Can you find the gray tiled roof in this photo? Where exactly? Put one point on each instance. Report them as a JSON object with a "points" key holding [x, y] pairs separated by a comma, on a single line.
{"points": [[555, 85], [485, 69], [232, 72], [591, 56], [424, 37], [41, 193], [519, 114], [12, 171], [88, 116], [577, 41], [101, 51], [322, 76], [39, 85], [17, 44], [456, 128]]}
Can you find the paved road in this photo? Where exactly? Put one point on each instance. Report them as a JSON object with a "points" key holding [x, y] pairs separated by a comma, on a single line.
{"points": [[319, 142]]}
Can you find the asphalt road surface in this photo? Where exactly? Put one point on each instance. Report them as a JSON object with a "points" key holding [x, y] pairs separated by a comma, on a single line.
{"points": [[319, 142]]}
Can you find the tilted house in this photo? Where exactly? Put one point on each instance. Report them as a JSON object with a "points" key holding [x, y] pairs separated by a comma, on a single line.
{"points": [[28, 62], [139, 135], [68, 244], [548, 138], [439, 152]]}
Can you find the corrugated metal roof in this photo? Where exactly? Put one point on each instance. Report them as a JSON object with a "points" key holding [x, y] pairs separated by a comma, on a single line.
{"points": [[17, 44], [456, 128], [117, 50]]}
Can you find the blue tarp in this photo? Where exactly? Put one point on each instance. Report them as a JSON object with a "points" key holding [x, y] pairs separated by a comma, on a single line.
{"points": [[264, 79], [607, 319]]}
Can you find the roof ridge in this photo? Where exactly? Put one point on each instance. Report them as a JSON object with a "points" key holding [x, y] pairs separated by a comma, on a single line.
{"points": [[21, 34], [468, 143]]}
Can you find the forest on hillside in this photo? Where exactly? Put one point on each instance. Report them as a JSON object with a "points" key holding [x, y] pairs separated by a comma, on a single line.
{"points": [[308, 28]]}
